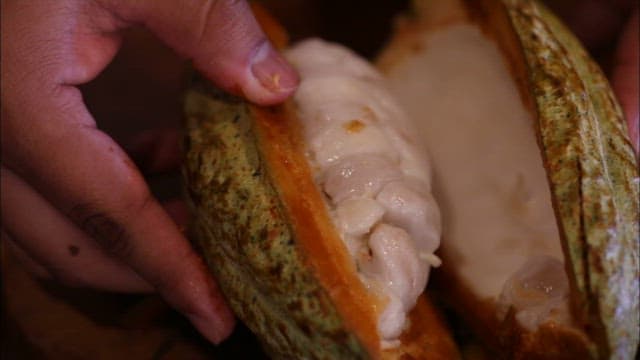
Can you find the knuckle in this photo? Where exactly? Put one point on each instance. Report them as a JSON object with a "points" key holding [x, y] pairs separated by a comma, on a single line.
{"points": [[103, 228], [234, 3], [134, 196], [107, 225], [228, 17], [225, 4], [108, 220]]}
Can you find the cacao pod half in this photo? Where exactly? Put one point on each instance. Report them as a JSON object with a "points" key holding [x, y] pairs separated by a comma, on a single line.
{"points": [[263, 226]]}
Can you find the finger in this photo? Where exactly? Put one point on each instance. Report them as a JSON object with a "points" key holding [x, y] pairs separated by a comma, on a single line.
{"points": [[27, 261], [104, 195], [93, 181], [178, 211], [223, 39], [52, 241], [157, 150], [625, 76], [50, 139]]}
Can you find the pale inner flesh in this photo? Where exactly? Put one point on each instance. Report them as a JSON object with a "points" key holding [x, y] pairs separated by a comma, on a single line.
{"points": [[375, 177], [499, 231]]}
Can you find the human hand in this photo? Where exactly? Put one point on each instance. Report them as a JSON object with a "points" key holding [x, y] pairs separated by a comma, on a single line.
{"points": [[72, 200]]}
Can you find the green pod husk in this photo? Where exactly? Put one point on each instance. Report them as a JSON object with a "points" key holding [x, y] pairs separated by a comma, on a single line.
{"points": [[593, 175], [260, 223], [591, 171], [244, 227], [243, 232]]}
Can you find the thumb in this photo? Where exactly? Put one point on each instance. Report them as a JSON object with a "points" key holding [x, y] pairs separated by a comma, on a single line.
{"points": [[223, 39]]}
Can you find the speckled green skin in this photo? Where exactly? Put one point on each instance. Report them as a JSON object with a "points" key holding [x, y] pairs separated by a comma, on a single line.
{"points": [[242, 229], [590, 164], [593, 174]]}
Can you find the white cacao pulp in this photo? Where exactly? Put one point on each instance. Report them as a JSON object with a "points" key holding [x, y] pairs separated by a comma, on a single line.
{"points": [[376, 178]]}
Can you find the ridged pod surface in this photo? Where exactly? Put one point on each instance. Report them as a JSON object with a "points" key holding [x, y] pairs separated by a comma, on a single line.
{"points": [[591, 170], [263, 229], [244, 233], [249, 222], [593, 175]]}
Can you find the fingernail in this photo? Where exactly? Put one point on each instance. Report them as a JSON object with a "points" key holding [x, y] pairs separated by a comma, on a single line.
{"points": [[214, 318], [214, 329], [272, 70]]}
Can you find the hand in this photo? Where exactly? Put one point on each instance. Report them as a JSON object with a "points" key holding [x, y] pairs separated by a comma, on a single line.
{"points": [[73, 202]]}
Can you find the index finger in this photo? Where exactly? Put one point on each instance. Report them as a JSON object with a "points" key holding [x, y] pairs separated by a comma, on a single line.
{"points": [[223, 39]]}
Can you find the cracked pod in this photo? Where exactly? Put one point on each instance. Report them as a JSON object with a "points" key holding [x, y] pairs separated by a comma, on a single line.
{"points": [[534, 172], [534, 176], [316, 216], [264, 228]]}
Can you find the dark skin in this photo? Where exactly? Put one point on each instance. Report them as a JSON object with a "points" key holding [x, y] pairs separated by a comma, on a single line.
{"points": [[79, 184], [97, 224]]}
